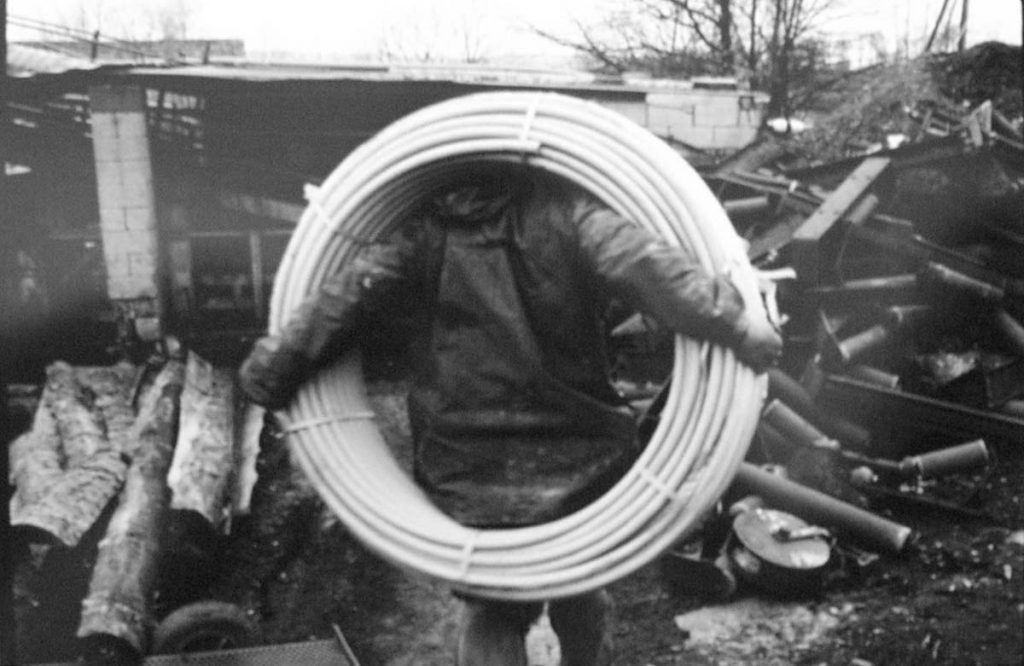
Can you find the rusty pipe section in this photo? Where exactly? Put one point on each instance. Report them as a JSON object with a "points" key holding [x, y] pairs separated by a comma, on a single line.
{"points": [[793, 394], [893, 320], [960, 458], [868, 529]]}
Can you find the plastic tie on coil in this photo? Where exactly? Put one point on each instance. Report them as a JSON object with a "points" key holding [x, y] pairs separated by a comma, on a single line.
{"points": [[305, 424], [311, 193], [467, 554], [660, 486], [527, 127]]}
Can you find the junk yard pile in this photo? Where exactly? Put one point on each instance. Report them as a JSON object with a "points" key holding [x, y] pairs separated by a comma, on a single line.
{"points": [[877, 518]]}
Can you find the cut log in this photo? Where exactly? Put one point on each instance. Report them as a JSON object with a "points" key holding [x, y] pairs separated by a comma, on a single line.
{"points": [[74, 500], [118, 604], [82, 432], [64, 504], [111, 389], [201, 474], [247, 450], [35, 461]]}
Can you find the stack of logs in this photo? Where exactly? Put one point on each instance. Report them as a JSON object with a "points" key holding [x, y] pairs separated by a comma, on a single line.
{"points": [[120, 449]]}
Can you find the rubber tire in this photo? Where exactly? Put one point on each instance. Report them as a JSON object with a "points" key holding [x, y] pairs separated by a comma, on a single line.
{"points": [[205, 626]]}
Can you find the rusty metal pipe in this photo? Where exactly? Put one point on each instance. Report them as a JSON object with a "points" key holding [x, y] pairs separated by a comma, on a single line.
{"points": [[960, 458], [793, 426], [935, 274], [855, 347], [873, 375], [1011, 330], [747, 206], [864, 527], [893, 289], [792, 393]]}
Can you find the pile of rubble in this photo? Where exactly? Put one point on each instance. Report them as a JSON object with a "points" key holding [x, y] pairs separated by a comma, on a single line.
{"points": [[900, 283]]}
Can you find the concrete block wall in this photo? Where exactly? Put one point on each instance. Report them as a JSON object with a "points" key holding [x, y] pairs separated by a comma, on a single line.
{"points": [[124, 181], [718, 120]]}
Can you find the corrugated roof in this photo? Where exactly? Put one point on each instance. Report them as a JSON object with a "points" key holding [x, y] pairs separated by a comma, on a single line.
{"points": [[27, 61]]}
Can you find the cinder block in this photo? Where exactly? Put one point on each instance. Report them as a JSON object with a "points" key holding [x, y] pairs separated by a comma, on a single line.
{"points": [[139, 219], [732, 137], [660, 118], [109, 185], [635, 111], [104, 137], [142, 263], [717, 112], [112, 219], [701, 137], [131, 128], [137, 184]]}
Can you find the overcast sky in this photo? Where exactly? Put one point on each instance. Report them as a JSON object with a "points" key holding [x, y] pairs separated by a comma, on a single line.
{"points": [[350, 27]]}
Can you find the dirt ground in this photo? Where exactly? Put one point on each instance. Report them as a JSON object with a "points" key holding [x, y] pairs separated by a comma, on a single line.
{"points": [[956, 596]]}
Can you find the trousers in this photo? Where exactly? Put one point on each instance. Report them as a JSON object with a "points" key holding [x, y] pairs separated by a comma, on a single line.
{"points": [[493, 633]]}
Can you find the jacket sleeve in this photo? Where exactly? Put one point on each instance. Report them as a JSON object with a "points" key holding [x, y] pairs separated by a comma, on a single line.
{"points": [[329, 320], [660, 280]]}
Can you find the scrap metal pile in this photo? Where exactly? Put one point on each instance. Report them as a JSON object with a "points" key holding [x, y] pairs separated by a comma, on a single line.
{"points": [[904, 367]]}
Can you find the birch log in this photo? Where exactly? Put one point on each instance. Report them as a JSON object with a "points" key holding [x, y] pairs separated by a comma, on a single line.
{"points": [[64, 506], [111, 389], [201, 474], [118, 603], [35, 461], [247, 449]]}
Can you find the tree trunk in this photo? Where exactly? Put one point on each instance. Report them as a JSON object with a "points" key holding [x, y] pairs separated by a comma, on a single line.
{"points": [[201, 474], [111, 388], [35, 461], [247, 449], [82, 432], [64, 505], [118, 604]]}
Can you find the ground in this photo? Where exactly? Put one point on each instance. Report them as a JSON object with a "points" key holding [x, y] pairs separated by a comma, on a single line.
{"points": [[955, 597]]}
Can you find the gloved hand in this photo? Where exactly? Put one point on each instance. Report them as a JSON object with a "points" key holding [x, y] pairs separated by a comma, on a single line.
{"points": [[272, 373], [761, 345]]}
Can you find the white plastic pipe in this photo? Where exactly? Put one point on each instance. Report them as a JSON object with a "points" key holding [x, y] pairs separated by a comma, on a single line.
{"points": [[710, 413]]}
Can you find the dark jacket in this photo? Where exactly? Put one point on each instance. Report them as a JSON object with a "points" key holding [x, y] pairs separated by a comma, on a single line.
{"points": [[514, 419]]}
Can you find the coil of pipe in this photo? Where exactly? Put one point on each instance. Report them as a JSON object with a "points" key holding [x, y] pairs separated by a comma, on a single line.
{"points": [[710, 412]]}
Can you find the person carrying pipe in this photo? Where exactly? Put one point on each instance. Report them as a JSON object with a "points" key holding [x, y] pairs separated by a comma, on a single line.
{"points": [[504, 278]]}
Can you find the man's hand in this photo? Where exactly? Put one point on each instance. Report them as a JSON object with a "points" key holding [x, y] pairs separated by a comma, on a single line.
{"points": [[761, 345], [272, 373]]}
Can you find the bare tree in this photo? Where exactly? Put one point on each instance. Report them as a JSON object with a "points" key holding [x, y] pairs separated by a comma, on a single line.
{"points": [[125, 20], [764, 41], [429, 37]]}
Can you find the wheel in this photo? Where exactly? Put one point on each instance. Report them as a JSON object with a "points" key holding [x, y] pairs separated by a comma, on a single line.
{"points": [[205, 626]]}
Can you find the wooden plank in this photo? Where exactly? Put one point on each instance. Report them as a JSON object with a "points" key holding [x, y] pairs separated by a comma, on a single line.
{"points": [[808, 240]]}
